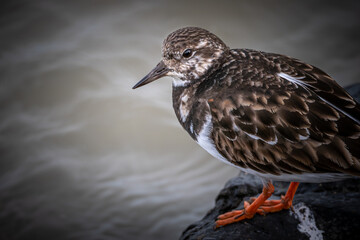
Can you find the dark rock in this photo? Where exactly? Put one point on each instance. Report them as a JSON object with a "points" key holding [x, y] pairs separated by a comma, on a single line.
{"points": [[334, 210]]}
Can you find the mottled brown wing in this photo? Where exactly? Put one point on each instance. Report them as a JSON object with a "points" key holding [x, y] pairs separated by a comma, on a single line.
{"points": [[267, 123], [322, 84]]}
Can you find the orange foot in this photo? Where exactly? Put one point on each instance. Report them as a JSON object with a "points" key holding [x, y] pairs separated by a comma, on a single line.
{"points": [[259, 205]]}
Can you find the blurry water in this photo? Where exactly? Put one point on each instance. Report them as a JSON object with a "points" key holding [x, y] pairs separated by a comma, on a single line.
{"points": [[85, 157]]}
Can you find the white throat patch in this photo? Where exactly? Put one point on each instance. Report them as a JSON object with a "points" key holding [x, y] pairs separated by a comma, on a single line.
{"points": [[179, 83], [184, 108]]}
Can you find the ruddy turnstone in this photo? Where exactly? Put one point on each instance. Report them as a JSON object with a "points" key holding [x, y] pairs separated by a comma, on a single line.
{"points": [[267, 114]]}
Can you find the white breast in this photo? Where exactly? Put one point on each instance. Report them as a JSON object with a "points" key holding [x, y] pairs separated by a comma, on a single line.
{"points": [[204, 140]]}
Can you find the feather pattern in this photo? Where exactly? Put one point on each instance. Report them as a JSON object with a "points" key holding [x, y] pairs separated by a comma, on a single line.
{"points": [[275, 115], [268, 114]]}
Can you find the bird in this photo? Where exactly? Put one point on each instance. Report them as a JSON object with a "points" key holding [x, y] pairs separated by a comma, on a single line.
{"points": [[266, 114]]}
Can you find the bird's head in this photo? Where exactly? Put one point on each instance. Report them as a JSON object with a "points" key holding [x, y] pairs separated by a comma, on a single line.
{"points": [[187, 55]]}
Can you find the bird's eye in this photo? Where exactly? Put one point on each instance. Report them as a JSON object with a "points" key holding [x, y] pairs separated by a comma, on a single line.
{"points": [[187, 53]]}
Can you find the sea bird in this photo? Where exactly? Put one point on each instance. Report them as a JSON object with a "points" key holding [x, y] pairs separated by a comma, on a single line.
{"points": [[266, 114]]}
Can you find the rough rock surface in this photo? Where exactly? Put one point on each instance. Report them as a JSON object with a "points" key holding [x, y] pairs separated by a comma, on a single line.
{"points": [[321, 211], [335, 209]]}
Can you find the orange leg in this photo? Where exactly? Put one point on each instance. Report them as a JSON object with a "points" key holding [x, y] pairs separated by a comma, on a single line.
{"points": [[259, 205]]}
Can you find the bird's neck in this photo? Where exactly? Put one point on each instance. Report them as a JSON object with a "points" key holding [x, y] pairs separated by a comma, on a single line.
{"points": [[183, 101], [191, 106], [190, 98]]}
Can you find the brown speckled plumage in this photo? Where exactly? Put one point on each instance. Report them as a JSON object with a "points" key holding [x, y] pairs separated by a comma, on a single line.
{"points": [[267, 114], [270, 113], [310, 134]]}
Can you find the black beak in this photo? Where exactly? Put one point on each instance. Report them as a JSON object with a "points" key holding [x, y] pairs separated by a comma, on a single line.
{"points": [[159, 71]]}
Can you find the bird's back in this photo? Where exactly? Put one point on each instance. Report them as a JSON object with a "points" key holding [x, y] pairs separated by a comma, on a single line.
{"points": [[279, 118]]}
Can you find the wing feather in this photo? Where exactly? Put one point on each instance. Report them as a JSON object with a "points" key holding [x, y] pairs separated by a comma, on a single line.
{"points": [[306, 124]]}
